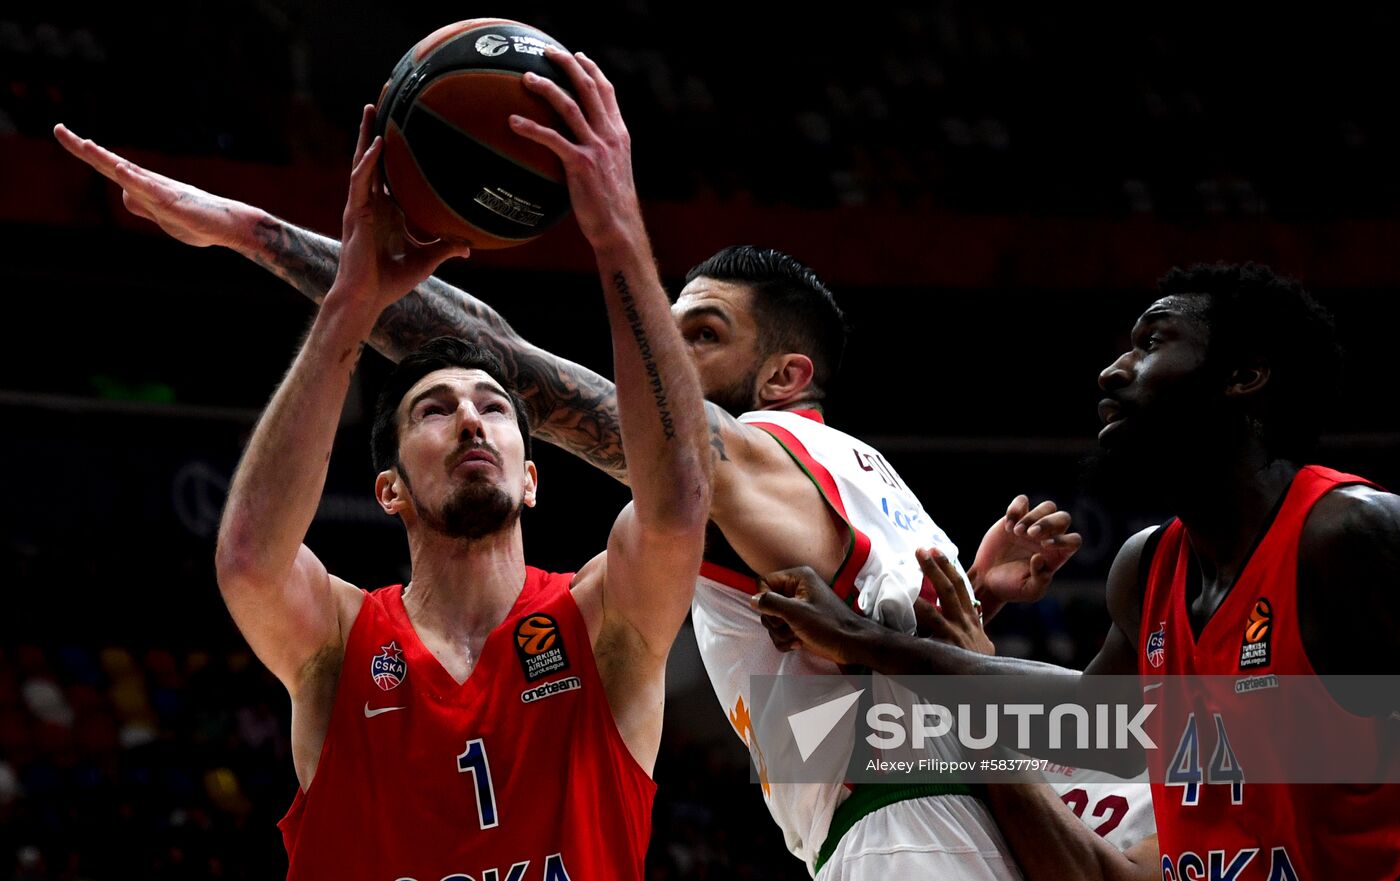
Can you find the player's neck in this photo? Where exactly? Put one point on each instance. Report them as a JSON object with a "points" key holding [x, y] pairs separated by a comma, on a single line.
{"points": [[1227, 508], [460, 589]]}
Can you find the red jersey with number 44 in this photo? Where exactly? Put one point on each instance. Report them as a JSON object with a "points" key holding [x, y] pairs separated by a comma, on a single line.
{"points": [[1212, 822], [518, 774]]}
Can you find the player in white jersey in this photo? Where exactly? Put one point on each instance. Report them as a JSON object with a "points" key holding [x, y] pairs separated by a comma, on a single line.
{"points": [[765, 335], [1060, 823]]}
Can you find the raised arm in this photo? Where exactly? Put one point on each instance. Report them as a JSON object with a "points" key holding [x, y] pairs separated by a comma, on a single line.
{"points": [[654, 550], [284, 601], [570, 406], [636, 595]]}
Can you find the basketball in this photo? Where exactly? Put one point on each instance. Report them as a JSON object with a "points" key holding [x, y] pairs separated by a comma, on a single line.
{"points": [[450, 158]]}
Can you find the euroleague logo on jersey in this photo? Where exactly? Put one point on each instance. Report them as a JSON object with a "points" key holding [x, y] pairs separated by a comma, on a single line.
{"points": [[388, 668], [1258, 635], [1157, 646], [540, 646]]}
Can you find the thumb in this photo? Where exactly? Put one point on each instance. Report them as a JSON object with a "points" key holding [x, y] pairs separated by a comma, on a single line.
{"points": [[446, 249], [770, 602]]}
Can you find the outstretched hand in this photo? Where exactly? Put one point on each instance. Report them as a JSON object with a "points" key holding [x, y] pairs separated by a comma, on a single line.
{"points": [[187, 213], [957, 618], [598, 161], [1021, 552], [378, 260]]}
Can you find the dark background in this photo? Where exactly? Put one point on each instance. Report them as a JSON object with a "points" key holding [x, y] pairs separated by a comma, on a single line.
{"points": [[990, 193]]}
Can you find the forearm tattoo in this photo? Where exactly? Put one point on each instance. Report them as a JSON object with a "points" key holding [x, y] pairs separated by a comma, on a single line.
{"points": [[568, 405], [639, 333]]}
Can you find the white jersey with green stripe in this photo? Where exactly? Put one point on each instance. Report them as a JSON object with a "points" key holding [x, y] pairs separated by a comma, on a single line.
{"points": [[1116, 808], [880, 577]]}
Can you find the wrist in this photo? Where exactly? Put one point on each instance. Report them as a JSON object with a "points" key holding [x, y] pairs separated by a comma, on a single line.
{"points": [[251, 231], [349, 310]]}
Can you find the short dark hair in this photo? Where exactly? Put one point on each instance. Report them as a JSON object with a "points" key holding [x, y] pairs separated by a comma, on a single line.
{"points": [[438, 354], [794, 311], [1252, 313]]}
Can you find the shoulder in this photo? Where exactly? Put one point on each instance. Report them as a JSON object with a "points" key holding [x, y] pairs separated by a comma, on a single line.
{"points": [[1127, 578], [1348, 566], [1352, 537], [1351, 517]]}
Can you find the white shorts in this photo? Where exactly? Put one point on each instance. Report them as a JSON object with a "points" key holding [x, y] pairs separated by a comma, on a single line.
{"points": [[941, 837]]}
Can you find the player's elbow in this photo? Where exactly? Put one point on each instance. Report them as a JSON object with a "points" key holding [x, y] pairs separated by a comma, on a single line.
{"points": [[239, 561]]}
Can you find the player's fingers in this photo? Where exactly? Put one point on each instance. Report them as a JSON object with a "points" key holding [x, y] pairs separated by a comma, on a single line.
{"points": [[788, 581], [1038, 581], [447, 249], [545, 137], [932, 562], [361, 176], [770, 602], [366, 135], [1044, 509], [607, 95], [926, 617], [585, 87], [1016, 510], [563, 104], [1049, 525], [102, 160]]}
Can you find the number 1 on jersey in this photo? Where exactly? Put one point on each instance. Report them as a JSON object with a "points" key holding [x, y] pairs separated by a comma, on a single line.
{"points": [[473, 759]]}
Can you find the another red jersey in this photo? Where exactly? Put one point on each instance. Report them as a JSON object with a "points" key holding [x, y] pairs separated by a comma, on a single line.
{"points": [[518, 774], [1221, 826]]}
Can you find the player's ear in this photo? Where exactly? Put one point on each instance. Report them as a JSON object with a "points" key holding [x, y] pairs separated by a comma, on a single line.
{"points": [[532, 484], [391, 491], [1247, 380], [785, 376]]}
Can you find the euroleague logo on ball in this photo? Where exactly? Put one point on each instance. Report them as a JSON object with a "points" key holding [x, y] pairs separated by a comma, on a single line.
{"points": [[492, 45]]}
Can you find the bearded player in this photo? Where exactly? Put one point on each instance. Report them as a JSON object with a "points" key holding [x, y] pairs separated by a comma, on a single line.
{"points": [[767, 338], [469, 723], [1211, 414]]}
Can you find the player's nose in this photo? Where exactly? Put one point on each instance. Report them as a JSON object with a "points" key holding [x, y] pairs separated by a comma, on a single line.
{"points": [[1117, 374]]}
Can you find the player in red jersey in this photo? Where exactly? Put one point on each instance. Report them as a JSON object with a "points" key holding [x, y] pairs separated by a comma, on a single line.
{"points": [[1212, 413], [487, 720]]}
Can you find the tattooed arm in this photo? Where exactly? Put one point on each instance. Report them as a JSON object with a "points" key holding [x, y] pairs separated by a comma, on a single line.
{"points": [[569, 405]]}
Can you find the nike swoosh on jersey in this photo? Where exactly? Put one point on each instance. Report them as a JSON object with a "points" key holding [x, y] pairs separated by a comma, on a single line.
{"points": [[370, 714]]}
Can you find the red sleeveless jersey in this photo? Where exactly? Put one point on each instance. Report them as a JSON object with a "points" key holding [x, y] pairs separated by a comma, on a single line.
{"points": [[1222, 826], [518, 774]]}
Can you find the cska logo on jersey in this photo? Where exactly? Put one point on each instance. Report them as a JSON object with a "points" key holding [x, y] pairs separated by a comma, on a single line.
{"points": [[388, 668], [1157, 646], [1258, 635]]}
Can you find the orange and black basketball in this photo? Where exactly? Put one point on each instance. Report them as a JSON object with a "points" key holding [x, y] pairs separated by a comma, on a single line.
{"points": [[450, 158]]}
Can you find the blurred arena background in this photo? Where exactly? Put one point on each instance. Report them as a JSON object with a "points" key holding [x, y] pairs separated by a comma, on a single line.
{"points": [[990, 191]]}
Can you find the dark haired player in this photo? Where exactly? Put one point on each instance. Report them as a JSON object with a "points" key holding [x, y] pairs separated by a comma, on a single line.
{"points": [[766, 337], [1211, 414], [468, 724]]}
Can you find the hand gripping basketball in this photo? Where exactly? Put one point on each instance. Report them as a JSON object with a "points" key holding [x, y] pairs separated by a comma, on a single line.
{"points": [[598, 162]]}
